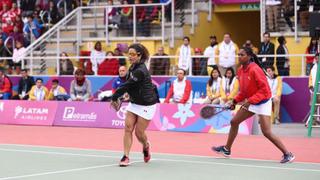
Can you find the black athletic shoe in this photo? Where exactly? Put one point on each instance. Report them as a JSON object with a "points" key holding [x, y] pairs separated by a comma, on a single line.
{"points": [[221, 150]]}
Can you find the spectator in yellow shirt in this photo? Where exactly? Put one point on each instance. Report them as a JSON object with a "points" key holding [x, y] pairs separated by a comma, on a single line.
{"points": [[57, 92], [38, 92], [213, 87], [229, 86]]}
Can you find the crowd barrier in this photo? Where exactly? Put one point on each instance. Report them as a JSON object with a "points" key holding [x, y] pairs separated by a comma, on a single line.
{"points": [[294, 100], [168, 117]]}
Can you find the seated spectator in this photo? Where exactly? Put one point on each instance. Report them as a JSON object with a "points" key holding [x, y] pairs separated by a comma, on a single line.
{"points": [[311, 49], [120, 79], [7, 2], [43, 4], [5, 86], [4, 9], [199, 65], [38, 92], [160, 66], [16, 35], [275, 84], [126, 17], [25, 84], [27, 7], [80, 88], [3, 35], [109, 66], [57, 92], [7, 19], [147, 15], [54, 14], [3, 52], [117, 52], [15, 9], [66, 66], [213, 87], [17, 57], [229, 86], [112, 15], [180, 90], [19, 24], [97, 56]]}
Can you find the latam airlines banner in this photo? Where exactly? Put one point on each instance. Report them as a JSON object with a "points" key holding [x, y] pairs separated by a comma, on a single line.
{"points": [[234, 1], [27, 112], [168, 117]]}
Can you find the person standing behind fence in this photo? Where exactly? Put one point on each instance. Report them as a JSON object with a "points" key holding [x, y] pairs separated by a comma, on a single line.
{"points": [[311, 49], [97, 56], [227, 51], [66, 66], [210, 51], [283, 63], [160, 66], [275, 84], [184, 53], [266, 48]]}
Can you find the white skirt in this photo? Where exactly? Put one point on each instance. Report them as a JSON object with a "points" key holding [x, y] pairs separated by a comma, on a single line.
{"points": [[262, 109], [146, 112]]}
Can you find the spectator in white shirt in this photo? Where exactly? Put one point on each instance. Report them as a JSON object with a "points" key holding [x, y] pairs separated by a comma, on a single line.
{"points": [[97, 56], [17, 57], [227, 51], [184, 52], [210, 51]]}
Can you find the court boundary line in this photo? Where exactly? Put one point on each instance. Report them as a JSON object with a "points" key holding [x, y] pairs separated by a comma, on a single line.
{"points": [[158, 153], [239, 165], [179, 160], [63, 171]]}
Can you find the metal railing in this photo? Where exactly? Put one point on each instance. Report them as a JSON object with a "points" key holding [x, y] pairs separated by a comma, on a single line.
{"points": [[297, 11], [76, 15], [172, 58]]}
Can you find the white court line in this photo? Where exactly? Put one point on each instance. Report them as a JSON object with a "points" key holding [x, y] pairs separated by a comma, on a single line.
{"points": [[237, 165], [168, 160], [167, 154], [63, 171], [57, 153]]}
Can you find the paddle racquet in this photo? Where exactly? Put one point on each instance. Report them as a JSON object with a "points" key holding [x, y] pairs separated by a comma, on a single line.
{"points": [[211, 110]]}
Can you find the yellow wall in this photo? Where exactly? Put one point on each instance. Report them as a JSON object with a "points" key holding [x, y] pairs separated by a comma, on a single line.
{"points": [[241, 26]]}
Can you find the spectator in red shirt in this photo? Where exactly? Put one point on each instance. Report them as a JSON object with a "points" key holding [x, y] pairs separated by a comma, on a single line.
{"points": [[311, 49], [15, 10], [109, 66], [7, 2], [5, 86], [180, 90]]}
